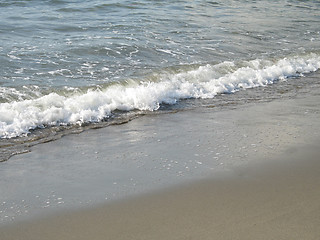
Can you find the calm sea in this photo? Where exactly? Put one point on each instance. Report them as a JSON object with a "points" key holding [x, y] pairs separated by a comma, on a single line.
{"points": [[68, 65]]}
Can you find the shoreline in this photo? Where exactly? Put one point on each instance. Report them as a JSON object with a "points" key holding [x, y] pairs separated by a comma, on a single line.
{"points": [[247, 173]]}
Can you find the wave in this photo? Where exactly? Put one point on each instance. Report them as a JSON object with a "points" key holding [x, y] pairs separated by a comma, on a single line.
{"points": [[18, 117]]}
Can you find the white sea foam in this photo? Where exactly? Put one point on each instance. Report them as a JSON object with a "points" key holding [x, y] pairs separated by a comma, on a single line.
{"points": [[19, 117]]}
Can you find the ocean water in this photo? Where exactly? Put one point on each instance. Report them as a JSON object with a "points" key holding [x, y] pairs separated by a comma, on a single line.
{"points": [[69, 65]]}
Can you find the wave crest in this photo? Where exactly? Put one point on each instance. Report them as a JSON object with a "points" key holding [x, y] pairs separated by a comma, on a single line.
{"points": [[19, 117]]}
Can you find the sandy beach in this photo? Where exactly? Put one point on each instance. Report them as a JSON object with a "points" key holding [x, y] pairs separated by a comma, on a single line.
{"points": [[245, 173], [159, 120], [278, 202]]}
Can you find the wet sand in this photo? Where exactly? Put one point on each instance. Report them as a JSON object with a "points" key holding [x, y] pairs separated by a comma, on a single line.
{"points": [[273, 194], [266, 201]]}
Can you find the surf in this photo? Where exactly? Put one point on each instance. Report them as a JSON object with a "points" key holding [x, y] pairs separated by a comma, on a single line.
{"points": [[63, 108]]}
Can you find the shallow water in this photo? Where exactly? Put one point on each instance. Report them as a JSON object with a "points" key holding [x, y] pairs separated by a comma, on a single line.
{"points": [[160, 151], [69, 65]]}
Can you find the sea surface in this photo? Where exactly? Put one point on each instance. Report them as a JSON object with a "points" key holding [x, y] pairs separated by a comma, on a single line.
{"points": [[70, 65]]}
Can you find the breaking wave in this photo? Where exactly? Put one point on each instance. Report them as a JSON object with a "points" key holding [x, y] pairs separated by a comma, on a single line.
{"points": [[19, 115]]}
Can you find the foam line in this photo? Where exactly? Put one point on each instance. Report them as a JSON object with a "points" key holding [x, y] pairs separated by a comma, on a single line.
{"points": [[19, 117]]}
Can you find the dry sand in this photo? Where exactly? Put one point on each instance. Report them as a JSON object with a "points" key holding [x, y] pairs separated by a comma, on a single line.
{"points": [[276, 197]]}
